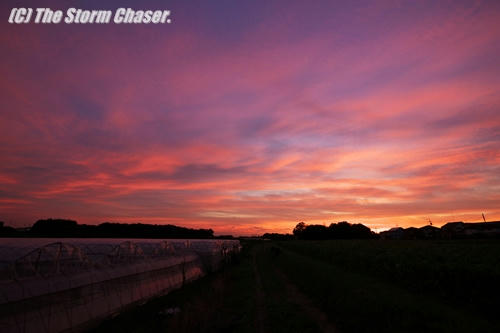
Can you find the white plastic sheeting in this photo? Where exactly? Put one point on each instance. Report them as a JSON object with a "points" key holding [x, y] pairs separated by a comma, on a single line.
{"points": [[51, 285]]}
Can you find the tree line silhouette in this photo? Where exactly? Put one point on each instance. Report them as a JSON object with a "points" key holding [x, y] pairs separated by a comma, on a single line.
{"points": [[70, 228], [340, 230]]}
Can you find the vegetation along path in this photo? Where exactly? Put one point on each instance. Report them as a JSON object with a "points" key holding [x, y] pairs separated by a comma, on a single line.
{"points": [[332, 286]]}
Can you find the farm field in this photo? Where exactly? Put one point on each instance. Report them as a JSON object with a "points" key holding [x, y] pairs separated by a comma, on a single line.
{"points": [[336, 286]]}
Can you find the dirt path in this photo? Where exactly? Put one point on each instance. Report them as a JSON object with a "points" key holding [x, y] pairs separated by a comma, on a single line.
{"points": [[299, 298], [259, 316], [292, 295]]}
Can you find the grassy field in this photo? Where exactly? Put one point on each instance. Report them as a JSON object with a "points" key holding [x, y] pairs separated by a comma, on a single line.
{"points": [[336, 286]]}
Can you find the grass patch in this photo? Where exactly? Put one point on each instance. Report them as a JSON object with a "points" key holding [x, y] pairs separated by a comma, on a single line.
{"points": [[461, 273], [336, 275]]}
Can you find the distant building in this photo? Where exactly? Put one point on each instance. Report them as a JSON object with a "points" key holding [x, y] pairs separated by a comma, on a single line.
{"points": [[453, 228], [471, 229], [450, 230], [430, 232], [393, 233]]}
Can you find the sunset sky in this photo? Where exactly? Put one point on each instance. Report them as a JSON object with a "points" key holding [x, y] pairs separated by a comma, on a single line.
{"points": [[250, 116]]}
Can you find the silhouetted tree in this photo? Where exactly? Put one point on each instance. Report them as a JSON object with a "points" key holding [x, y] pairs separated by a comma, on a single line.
{"points": [[299, 229], [6, 231], [70, 228], [224, 237], [54, 228], [341, 230], [346, 230], [276, 236], [315, 231]]}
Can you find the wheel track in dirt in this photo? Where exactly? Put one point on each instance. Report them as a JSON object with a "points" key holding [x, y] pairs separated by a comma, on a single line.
{"points": [[309, 308], [259, 315], [297, 297], [293, 295]]}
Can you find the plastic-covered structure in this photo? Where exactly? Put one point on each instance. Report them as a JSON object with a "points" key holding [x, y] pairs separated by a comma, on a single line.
{"points": [[52, 285]]}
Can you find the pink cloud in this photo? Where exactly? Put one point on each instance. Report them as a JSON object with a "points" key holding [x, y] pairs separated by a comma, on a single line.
{"points": [[363, 120]]}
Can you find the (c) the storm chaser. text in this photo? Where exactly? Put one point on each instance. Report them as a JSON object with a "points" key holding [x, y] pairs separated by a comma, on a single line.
{"points": [[82, 16]]}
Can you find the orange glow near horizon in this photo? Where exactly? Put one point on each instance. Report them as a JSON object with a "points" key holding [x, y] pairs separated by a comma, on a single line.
{"points": [[270, 115]]}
